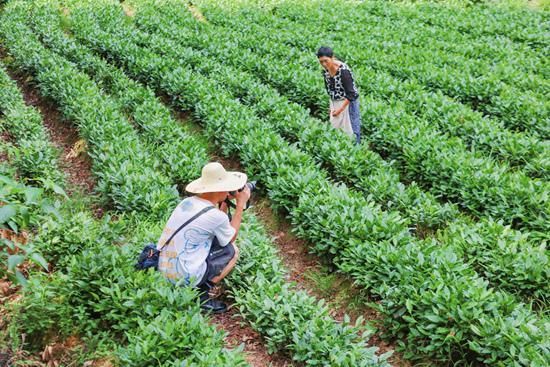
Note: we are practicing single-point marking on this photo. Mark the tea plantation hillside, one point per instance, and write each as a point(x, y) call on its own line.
point(424, 244)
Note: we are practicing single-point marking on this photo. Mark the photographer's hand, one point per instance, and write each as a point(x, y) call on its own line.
point(242, 197)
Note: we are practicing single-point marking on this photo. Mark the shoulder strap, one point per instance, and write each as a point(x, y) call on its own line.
point(204, 210)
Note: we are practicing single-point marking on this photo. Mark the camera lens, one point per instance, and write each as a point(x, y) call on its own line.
point(251, 185)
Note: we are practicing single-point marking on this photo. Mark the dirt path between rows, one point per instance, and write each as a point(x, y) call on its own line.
point(239, 332)
point(4, 138)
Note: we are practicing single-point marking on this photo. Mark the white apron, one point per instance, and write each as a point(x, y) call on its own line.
point(342, 121)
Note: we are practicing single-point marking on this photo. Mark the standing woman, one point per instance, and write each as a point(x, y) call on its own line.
point(344, 98)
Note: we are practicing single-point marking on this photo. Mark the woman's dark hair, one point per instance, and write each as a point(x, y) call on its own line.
point(325, 52)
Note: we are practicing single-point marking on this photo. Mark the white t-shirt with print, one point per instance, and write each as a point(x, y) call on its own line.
point(185, 256)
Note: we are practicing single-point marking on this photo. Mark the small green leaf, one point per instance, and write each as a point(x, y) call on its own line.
point(20, 278)
point(14, 227)
point(14, 260)
point(475, 329)
point(32, 194)
point(59, 190)
point(7, 212)
point(434, 318)
point(409, 305)
point(40, 260)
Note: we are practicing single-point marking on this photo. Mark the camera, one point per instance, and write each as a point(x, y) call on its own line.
point(251, 186)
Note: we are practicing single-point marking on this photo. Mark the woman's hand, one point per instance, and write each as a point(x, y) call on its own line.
point(336, 112)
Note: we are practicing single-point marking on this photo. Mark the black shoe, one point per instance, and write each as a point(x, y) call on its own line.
point(207, 303)
point(213, 305)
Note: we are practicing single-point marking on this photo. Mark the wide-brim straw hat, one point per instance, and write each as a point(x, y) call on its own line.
point(216, 179)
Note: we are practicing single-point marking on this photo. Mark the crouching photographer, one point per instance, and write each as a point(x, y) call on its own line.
point(197, 245)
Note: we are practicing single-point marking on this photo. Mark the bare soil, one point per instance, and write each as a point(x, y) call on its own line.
point(6, 138)
point(238, 332)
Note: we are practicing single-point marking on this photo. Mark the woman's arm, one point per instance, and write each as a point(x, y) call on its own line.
point(349, 87)
point(341, 109)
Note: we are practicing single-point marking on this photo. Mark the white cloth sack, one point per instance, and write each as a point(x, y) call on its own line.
point(342, 121)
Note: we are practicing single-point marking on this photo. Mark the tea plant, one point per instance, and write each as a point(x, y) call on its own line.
point(438, 162)
point(181, 151)
point(22, 207)
point(350, 165)
point(100, 291)
point(357, 165)
point(35, 157)
point(126, 173)
point(422, 52)
point(50, 238)
point(522, 26)
point(433, 300)
point(291, 320)
point(286, 169)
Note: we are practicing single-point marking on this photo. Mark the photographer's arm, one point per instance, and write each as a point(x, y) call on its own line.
point(242, 198)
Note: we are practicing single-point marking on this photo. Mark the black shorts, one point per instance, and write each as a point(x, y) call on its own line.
point(217, 260)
